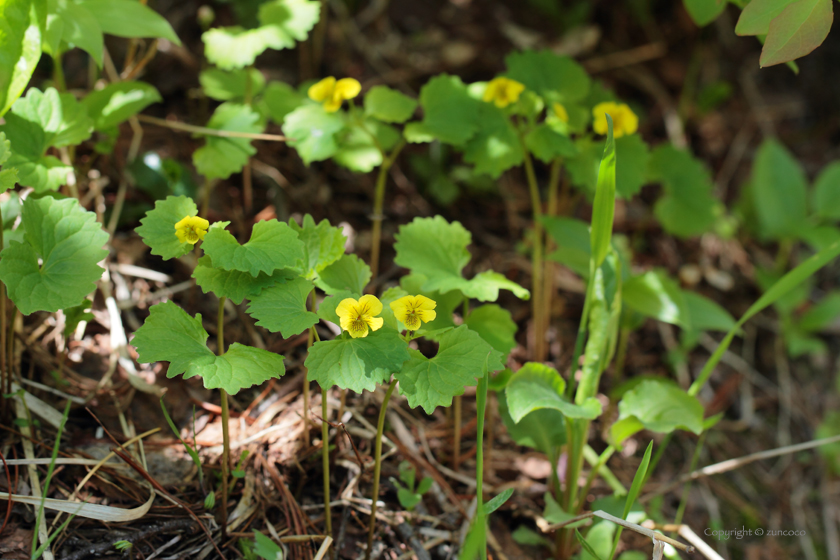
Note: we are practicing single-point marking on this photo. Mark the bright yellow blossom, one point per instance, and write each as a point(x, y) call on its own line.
point(411, 310)
point(356, 316)
point(191, 229)
point(331, 93)
point(560, 112)
point(503, 91)
point(624, 119)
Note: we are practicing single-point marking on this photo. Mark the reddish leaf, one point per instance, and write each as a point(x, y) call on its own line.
point(798, 30)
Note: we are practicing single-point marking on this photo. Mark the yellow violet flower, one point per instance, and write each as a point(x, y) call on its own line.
point(503, 92)
point(624, 119)
point(561, 113)
point(191, 229)
point(356, 316)
point(411, 310)
point(331, 93)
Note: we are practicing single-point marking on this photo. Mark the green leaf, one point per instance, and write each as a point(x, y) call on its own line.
point(128, 18)
point(827, 192)
point(450, 114)
point(704, 314)
point(326, 310)
point(573, 243)
point(756, 16)
point(9, 175)
point(282, 307)
point(157, 229)
point(704, 12)
point(484, 286)
point(603, 208)
point(233, 284)
point(497, 501)
point(221, 157)
point(635, 489)
point(822, 314)
point(495, 147)
point(266, 548)
point(281, 23)
point(223, 85)
point(462, 358)
point(662, 407)
point(349, 273)
point(589, 552)
point(57, 266)
point(357, 150)
point(543, 429)
point(547, 145)
point(20, 46)
point(115, 103)
point(272, 245)
point(495, 325)
point(632, 158)
point(655, 295)
point(75, 315)
point(780, 191)
point(313, 131)
point(357, 364)
point(688, 207)
point(389, 105)
point(169, 334)
point(280, 99)
point(322, 244)
point(555, 78)
point(79, 27)
point(536, 386)
point(799, 29)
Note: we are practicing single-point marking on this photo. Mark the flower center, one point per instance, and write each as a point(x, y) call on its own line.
point(191, 234)
point(358, 325)
point(412, 321)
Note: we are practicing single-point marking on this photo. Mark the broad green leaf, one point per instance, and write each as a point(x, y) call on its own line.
point(349, 273)
point(462, 358)
point(603, 208)
point(389, 105)
point(573, 244)
point(655, 295)
point(272, 245)
point(115, 103)
point(326, 310)
point(495, 325)
point(313, 130)
point(799, 29)
point(662, 407)
point(543, 429)
point(433, 246)
point(554, 77)
point(756, 16)
point(497, 501)
point(221, 157)
point(128, 18)
point(79, 27)
point(223, 85)
point(266, 548)
point(357, 364)
point(820, 237)
point(548, 145)
point(526, 536)
point(8, 175)
point(632, 158)
point(704, 314)
point(169, 334)
point(280, 99)
point(450, 114)
point(56, 266)
point(357, 149)
point(323, 244)
point(157, 229)
point(20, 46)
point(536, 386)
point(75, 315)
point(282, 307)
point(827, 192)
point(822, 314)
point(688, 207)
point(780, 191)
point(704, 12)
point(234, 284)
point(282, 22)
point(484, 286)
point(495, 147)
point(596, 545)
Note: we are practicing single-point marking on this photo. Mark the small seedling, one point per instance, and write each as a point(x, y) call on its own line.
point(408, 495)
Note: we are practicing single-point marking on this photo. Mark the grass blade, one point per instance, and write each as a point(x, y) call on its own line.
point(633, 494)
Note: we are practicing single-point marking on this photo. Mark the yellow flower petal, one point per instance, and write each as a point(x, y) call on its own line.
point(370, 305)
point(356, 317)
point(375, 323)
point(426, 315)
point(322, 90)
point(412, 311)
point(191, 229)
point(624, 119)
point(561, 112)
point(332, 105)
point(345, 307)
point(424, 303)
point(503, 91)
point(348, 88)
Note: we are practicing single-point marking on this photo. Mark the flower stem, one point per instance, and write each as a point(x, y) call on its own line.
point(537, 259)
point(378, 204)
point(377, 466)
point(220, 333)
point(548, 273)
point(325, 460)
point(481, 402)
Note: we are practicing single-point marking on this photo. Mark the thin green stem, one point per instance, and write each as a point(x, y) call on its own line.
point(594, 472)
point(325, 460)
point(581, 335)
point(378, 206)
point(220, 334)
point(694, 460)
point(481, 402)
point(58, 72)
point(537, 259)
point(548, 272)
point(7, 387)
point(377, 466)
